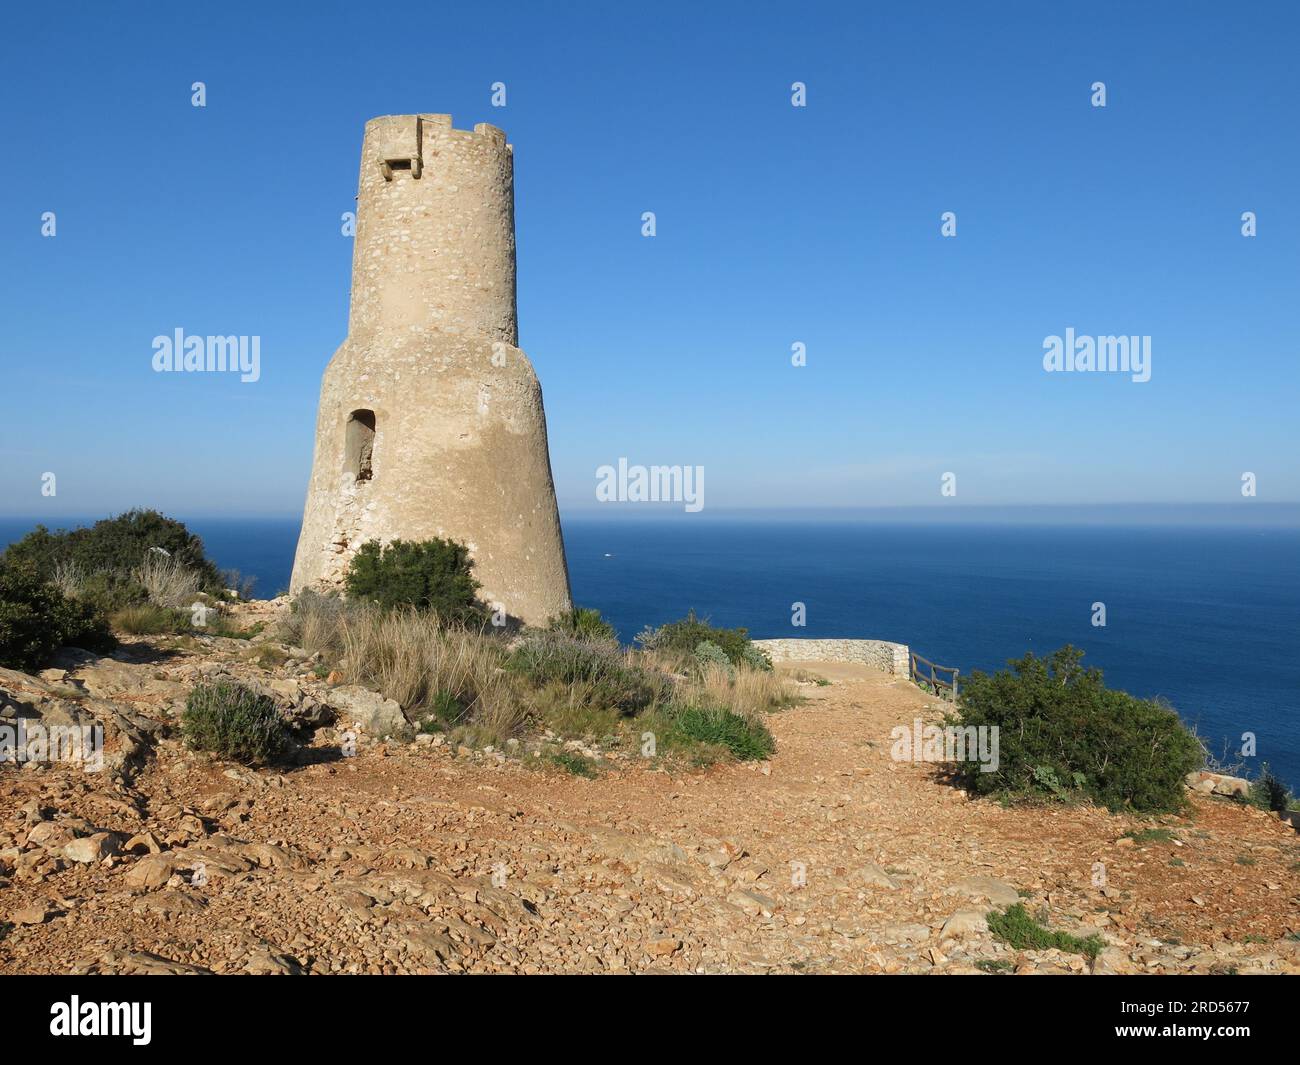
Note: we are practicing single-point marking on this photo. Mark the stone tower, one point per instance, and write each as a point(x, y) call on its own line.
point(431, 420)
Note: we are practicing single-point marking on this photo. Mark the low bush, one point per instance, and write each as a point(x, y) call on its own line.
point(584, 623)
point(1268, 792)
point(707, 653)
point(95, 562)
point(610, 679)
point(36, 619)
point(1062, 732)
point(234, 722)
point(747, 738)
point(688, 633)
point(109, 591)
point(573, 711)
point(429, 575)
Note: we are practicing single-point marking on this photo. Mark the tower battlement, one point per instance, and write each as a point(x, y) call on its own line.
point(435, 238)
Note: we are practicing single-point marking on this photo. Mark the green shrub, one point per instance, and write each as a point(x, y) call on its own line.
point(583, 622)
point(1268, 792)
point(1061, 731)
point(610, 680)
point(105, 555)
point(234, 722)
point(1016, 928)
point(747, 738)
point(433, 575)
point(36, 620)
point(109, 591)
point(688, 633)
point(708, 653)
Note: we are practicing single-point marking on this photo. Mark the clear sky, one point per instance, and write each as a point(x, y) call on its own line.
point(775, 225)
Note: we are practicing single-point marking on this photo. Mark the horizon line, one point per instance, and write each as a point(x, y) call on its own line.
point(1273, 512)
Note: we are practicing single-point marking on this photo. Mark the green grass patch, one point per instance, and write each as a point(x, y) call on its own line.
point(994, 965)
point(1016, 928)
point(574, 711)
point(442, 712)
point(1150, 835)
point(575, 764)
point(745, 738)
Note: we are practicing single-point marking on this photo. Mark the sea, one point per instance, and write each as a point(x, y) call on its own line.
point(1205, 617)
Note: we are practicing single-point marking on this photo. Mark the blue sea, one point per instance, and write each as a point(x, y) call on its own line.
point(1205, 617)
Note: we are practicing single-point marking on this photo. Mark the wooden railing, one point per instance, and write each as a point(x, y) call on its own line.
point(930, 675)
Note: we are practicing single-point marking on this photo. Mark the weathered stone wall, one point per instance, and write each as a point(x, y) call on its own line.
point(435, 251)
point(459, 447)
point(891, 657)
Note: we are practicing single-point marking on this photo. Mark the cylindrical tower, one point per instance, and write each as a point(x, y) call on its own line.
point(435, 242)
point(431, 421)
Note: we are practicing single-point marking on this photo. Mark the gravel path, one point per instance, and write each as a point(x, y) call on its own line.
point(830, 858)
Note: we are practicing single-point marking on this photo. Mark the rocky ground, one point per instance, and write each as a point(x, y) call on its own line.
point(421, 858)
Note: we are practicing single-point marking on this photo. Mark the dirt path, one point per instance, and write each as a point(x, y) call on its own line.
point(830, 858)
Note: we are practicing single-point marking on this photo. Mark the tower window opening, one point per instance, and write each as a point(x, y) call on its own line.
point(360, 444)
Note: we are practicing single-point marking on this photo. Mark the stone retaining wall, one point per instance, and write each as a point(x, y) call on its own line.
point(891, 657)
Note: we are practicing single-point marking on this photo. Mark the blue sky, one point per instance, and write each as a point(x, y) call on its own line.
point(776, 225)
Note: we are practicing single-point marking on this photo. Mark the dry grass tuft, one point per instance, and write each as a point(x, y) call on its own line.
point(745, 690)
point(450, 675)
point(169, 582)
